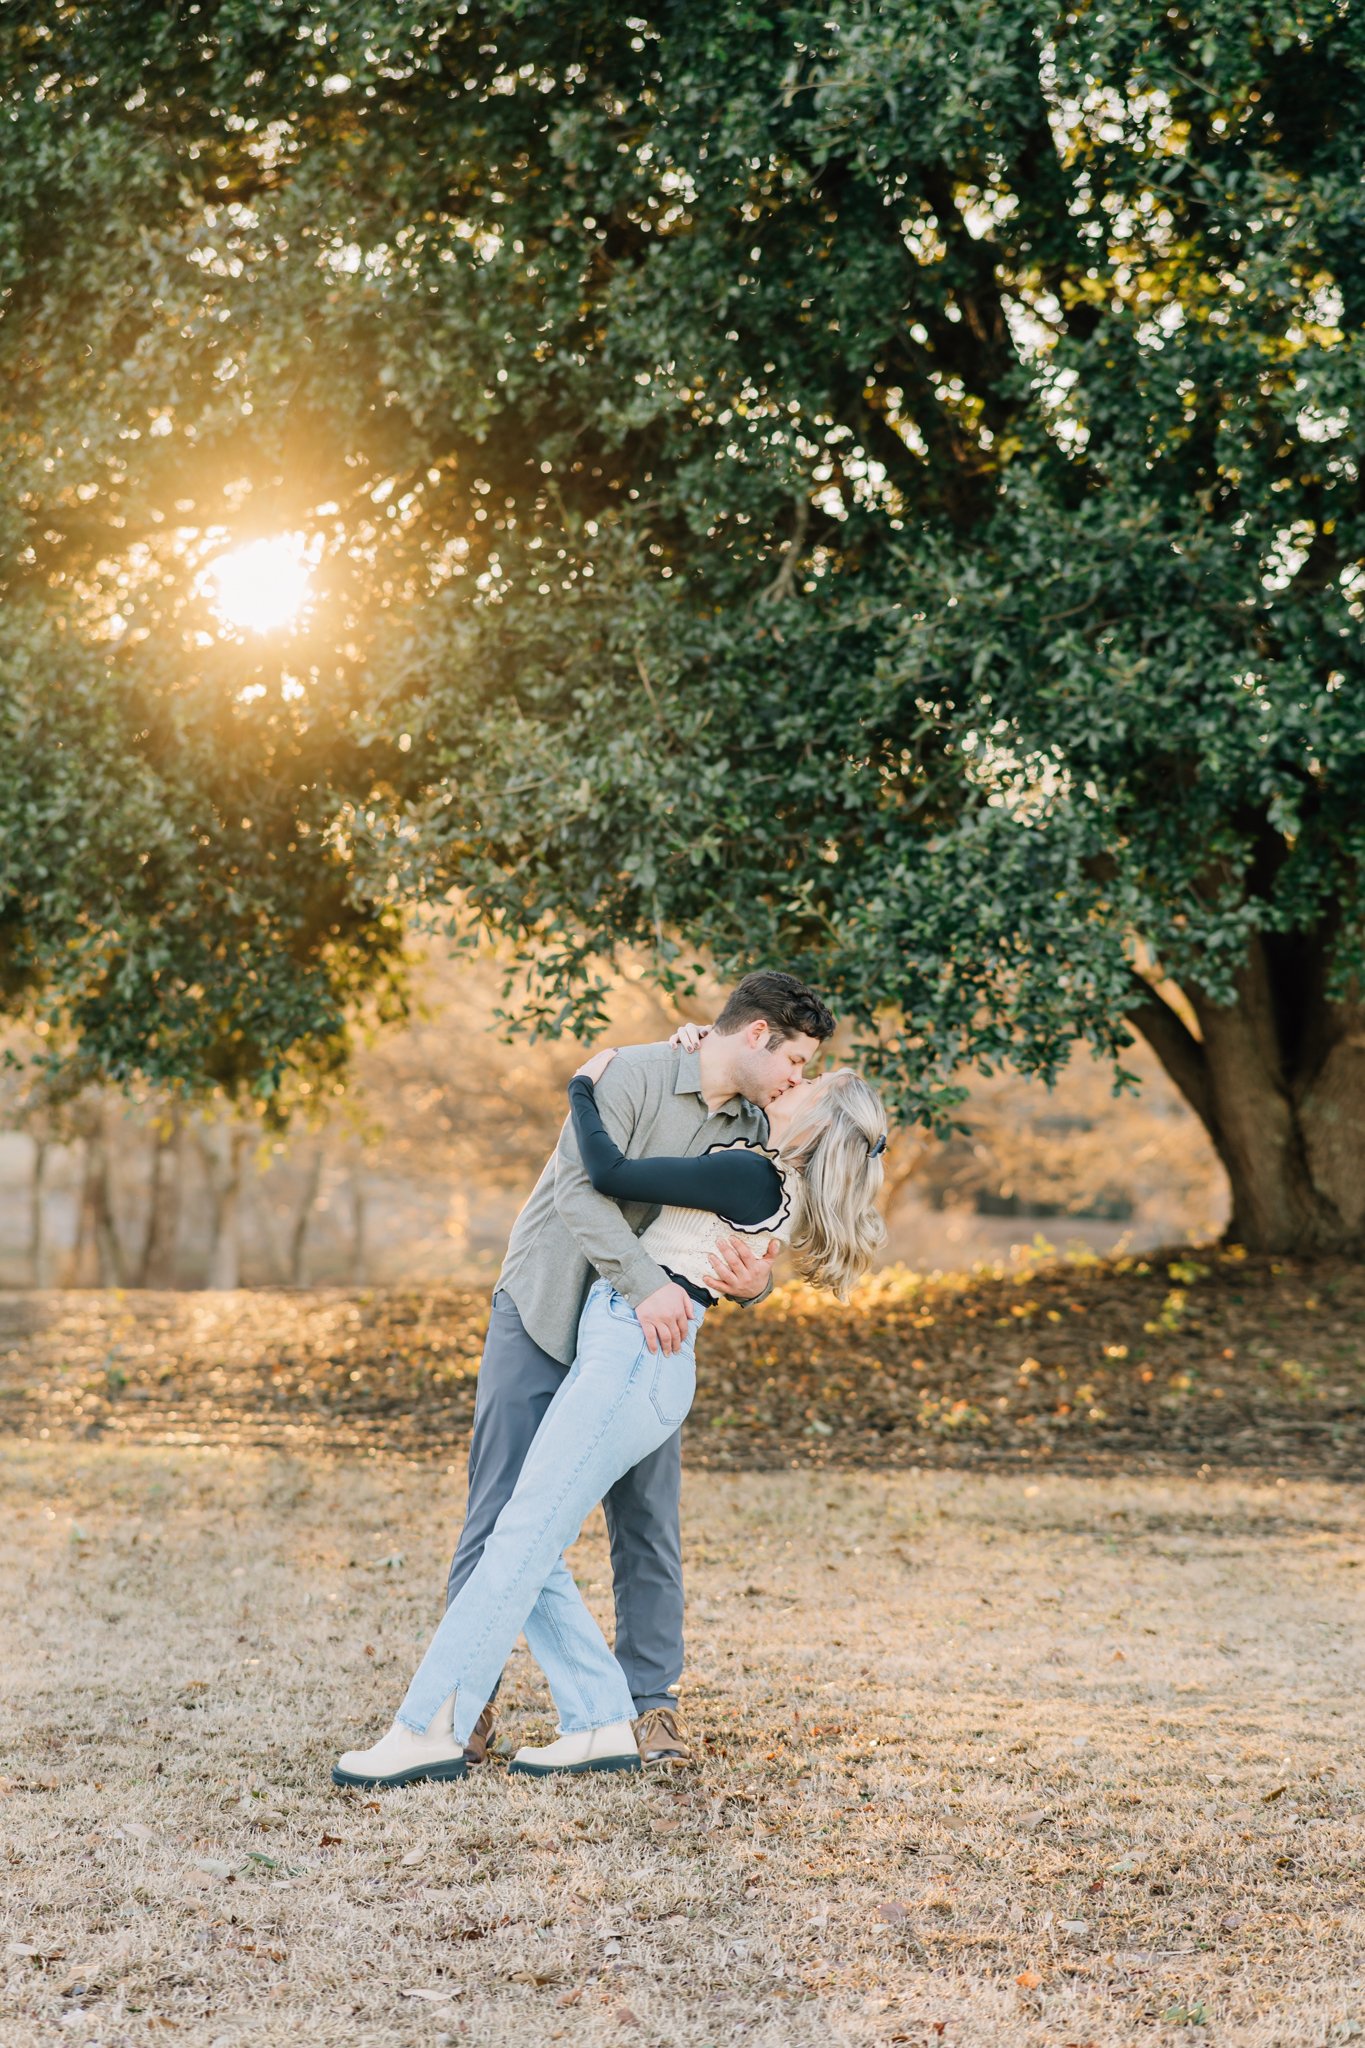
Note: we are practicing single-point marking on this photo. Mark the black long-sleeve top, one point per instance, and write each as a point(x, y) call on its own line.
point(734, 1181)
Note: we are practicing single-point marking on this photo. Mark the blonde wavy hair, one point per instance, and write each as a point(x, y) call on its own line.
point(830, 1143)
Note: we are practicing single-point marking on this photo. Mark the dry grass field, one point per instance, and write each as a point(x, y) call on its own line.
point(996, 1760)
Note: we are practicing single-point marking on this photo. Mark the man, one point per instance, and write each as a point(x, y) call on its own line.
point(653, 1099)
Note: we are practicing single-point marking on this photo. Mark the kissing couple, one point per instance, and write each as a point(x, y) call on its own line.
point(680, 1173)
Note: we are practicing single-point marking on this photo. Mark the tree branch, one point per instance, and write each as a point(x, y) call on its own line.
point(1177, 1048)
point(784, 583)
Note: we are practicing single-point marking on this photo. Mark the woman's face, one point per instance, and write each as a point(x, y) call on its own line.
point(796, 1100)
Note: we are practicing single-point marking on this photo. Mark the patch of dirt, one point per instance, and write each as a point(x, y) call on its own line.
point(1172, 1361)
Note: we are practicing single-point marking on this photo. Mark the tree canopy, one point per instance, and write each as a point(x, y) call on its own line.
point(877, 490)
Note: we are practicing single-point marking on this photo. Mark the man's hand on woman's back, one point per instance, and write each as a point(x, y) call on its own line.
point(738, 1268)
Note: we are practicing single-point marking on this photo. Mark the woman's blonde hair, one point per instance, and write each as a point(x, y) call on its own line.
point(835, 1141)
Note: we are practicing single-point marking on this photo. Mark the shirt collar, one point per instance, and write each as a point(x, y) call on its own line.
point(688, 1082)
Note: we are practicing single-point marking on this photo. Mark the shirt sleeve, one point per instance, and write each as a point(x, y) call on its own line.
point(736, 1183)
point(596, 1222)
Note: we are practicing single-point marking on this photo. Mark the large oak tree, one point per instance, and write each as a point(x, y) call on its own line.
point(877, 488)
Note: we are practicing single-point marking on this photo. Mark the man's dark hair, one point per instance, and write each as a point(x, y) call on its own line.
point(782, 1001)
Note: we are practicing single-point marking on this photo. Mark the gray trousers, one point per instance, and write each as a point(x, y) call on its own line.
point(517, 1381)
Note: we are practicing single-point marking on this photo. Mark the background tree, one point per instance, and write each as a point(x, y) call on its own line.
point(410, 1164)
point(879, 490)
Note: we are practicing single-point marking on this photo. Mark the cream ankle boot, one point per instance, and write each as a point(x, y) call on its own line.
point(597, 1749)
point(402, 1758)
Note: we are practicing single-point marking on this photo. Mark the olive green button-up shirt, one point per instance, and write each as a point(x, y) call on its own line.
point(651, 1101)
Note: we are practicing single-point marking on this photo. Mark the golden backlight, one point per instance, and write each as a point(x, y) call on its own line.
point(261, 586)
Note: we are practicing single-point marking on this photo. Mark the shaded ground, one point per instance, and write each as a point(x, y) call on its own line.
point(1161, 1363)
point(992, 1760)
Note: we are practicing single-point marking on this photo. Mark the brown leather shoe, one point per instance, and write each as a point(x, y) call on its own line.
point(480, 1737)
point(663, 1745)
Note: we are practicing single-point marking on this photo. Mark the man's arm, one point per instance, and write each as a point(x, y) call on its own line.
point(596, 1222)
point(605, 1238)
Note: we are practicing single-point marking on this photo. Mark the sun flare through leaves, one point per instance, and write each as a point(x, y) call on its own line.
point(263, 586)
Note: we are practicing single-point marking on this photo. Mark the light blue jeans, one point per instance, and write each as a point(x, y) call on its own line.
point(619, 1401)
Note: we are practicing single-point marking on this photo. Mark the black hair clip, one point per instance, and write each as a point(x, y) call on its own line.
point(875, 1151)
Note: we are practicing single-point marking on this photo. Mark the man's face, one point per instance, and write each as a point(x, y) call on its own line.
point(764, 1074)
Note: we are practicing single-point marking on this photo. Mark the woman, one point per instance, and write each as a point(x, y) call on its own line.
point(816, 1186)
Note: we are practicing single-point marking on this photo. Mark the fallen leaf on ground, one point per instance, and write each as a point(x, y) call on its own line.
point(892, 1912)
point(1028, 1980)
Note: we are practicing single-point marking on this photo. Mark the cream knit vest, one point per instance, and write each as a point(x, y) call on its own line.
point(682, 1240)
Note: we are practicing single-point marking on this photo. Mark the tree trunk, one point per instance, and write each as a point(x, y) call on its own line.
point(156, 1259)
point(85, 1213)
point(1278, 1081)
point(359, 1219)
point(108, 1249)
point(303, 1216)
point(223, 1169)
point(37, 1213)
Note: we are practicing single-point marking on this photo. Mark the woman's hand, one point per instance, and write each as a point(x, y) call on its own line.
point(688, 1037)
point(593, 1069)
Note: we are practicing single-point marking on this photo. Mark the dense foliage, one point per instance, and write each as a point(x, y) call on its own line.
point(878, 490)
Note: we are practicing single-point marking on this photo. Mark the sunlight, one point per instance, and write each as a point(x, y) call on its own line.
point(261, 586)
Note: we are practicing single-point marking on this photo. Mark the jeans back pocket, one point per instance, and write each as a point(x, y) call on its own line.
point(675, 1383)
